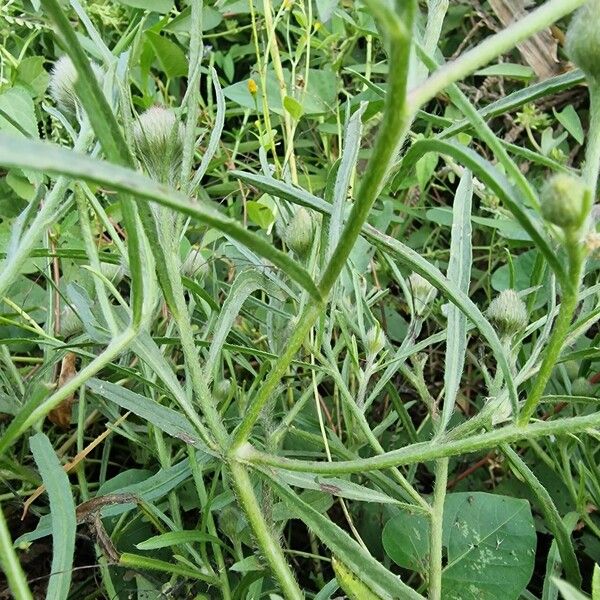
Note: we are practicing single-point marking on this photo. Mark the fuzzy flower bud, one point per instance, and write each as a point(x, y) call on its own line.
point(62, 85)
point(375, 340)
point(300, 231)
point(508, 313)
point(195, 263)
point(563, 201)
point(423, 293)
point(583, 39)
point(158, 137)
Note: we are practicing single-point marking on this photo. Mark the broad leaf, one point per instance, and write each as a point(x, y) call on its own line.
point(490, 542)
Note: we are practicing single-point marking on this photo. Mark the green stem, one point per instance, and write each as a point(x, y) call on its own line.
point(269, 545)
point(555, 344)
point(576, 260)
point(395, 126)
point(426, 451)
point(592, 151)
point(435, 532)
point(11, 565)
point(494, 46)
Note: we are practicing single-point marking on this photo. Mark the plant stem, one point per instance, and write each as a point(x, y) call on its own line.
point(576, 261)
point(556, 341)
point(592, 151)
point(426, 451)
point(435, 532)
point(269, 546)
point(391, 134)
point(490, 48)
point(11, 565)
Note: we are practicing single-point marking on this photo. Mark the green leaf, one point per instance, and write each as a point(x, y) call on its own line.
point(159, 6)
point(166, 419)
point(569, 592)
point(260, 213)
point(211, 18)
point(319, 98)
point(570, 120)
point(17, 113)
point(145, 563)
point(62, 513)
point(490, 542)
point(459, 271)
point(50, 158)
point(596, 583)
point(351, 584)
point(176, 538)
point(32, 75)
point(425, 168)
point(508, 70)
point(335, 486)
point(372, 573)
point(293, 107)
point(169, 55)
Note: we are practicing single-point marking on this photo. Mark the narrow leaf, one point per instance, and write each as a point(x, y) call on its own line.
point(62, 513)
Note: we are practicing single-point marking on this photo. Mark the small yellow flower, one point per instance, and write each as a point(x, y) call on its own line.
point(252, 87)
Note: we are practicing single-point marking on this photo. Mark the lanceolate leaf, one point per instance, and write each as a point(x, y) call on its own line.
point(50, 158)
point(459, 271)
point(405, 255)
point(372, 573)
point(62, 513)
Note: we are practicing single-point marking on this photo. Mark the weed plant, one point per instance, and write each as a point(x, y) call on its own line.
point(288, 311)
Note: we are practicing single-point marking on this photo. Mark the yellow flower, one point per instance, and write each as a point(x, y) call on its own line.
point(252, 87)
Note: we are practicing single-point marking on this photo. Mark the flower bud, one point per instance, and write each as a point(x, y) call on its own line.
point(375, 340)
point(158, 137)
point(195, 264)
point(582, 387)
point(563, 201)
point(62, 85)
point(508, 313)
point(300, 231)
point(583, 39)
point(423, 293)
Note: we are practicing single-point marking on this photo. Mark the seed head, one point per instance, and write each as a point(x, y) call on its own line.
point(508, 313)
point(583, 39)
point(563, 201)
point(158, 137)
